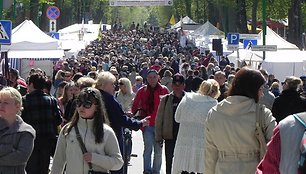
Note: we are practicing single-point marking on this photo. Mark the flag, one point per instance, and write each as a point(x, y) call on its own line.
point(100, 31)
point(172, 20)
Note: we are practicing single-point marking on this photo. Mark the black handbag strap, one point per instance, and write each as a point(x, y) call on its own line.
point(83, 148)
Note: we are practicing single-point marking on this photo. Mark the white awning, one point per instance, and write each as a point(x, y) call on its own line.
point(36, 54)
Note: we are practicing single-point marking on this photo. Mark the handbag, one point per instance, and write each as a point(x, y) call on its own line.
point(259, 133)
point(84, 150)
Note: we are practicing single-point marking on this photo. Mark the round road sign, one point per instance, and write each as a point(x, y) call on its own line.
point(53, 12)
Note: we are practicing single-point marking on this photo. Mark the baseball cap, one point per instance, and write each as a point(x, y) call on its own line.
point(152, 71)
point(178, 78)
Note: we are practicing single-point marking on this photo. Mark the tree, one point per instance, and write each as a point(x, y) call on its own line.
point(254, 15)
point(295, 23)
point(241, 16)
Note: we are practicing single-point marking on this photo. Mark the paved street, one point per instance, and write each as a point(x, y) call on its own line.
point(136, 163)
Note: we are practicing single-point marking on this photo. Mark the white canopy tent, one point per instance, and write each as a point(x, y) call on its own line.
point(288, 60)
point(77, 36)
point(207, 29)
point(28, 41)
point(32, 48)
point(185, 20)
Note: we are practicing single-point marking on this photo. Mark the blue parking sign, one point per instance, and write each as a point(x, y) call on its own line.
point(5, 32)
point(233, 38)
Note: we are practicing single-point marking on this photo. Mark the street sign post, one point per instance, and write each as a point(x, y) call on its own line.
point(53, 12)
point(249, 43)
point(232, 47)
point(54, 35)
point(5, 32)
point(250, 36)
point(264, 48)
point(52, 26)
point(233, 38)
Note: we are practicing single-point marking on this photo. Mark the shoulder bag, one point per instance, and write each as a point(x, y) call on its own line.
point(259, 133)
point(84, 150)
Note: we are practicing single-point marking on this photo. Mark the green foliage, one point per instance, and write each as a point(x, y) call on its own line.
point(304, 14)
point(100, 10)
point(278, 9)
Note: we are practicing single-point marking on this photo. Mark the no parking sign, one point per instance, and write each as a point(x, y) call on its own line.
point(53, 12)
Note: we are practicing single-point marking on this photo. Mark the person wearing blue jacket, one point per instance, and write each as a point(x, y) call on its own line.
point(118, 119)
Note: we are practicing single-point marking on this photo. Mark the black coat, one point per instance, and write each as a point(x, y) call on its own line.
point(287, 103)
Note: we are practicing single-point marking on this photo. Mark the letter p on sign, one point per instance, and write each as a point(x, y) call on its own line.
point(233, 38)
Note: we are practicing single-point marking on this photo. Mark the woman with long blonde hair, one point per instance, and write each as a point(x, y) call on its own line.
point(191, 114)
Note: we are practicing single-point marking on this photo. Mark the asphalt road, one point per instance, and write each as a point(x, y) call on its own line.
point(136, 163)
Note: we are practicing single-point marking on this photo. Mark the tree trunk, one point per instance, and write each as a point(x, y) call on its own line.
point(188, 8)
point(79, 11)
point(197, 11)
point(254, 16)
point(241, 16)
point(295, 23)
point(212, 13)
point(34, 5)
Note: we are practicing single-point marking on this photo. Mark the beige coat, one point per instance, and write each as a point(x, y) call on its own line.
point(164, 119)
point(231, 145)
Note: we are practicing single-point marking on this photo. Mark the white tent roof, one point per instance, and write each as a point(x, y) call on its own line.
point(207, 29)
point(273, 38)
point(287, 60)
point(185, 20)
point(28, 41)
point(70, 36)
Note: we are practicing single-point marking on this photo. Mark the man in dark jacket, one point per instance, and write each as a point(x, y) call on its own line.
point(289, 101)
point(41, 111)
point(166, 128)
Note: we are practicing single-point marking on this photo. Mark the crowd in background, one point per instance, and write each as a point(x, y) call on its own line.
point(173, 83)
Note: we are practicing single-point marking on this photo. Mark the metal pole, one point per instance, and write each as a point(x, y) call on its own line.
point(1, 8)
point(14, 13)
point(264, 25)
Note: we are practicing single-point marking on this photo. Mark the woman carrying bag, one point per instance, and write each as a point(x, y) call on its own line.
point(85, 145)
point(231, 141)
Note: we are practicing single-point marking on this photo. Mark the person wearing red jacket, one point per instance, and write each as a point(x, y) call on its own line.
point(283, 150)
point(147, 99)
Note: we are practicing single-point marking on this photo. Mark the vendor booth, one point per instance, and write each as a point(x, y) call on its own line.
point(32, 48)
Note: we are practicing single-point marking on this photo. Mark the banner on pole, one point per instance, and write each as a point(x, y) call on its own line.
point(140, 2)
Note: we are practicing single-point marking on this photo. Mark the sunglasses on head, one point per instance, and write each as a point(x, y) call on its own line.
point(86, 104)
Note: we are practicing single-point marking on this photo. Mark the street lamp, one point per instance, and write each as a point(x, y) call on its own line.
point(38, 18)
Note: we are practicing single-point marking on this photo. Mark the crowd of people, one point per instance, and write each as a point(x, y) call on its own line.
point(201, 108)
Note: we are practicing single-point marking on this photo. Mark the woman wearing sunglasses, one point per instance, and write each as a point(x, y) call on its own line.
point(16, 137)
point(100, 150)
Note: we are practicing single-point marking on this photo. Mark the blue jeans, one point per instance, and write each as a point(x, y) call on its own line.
point(149, 144)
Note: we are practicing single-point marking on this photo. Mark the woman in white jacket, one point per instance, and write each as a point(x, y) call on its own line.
point(231, 146)
point(191, 114)
point(100, 141)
